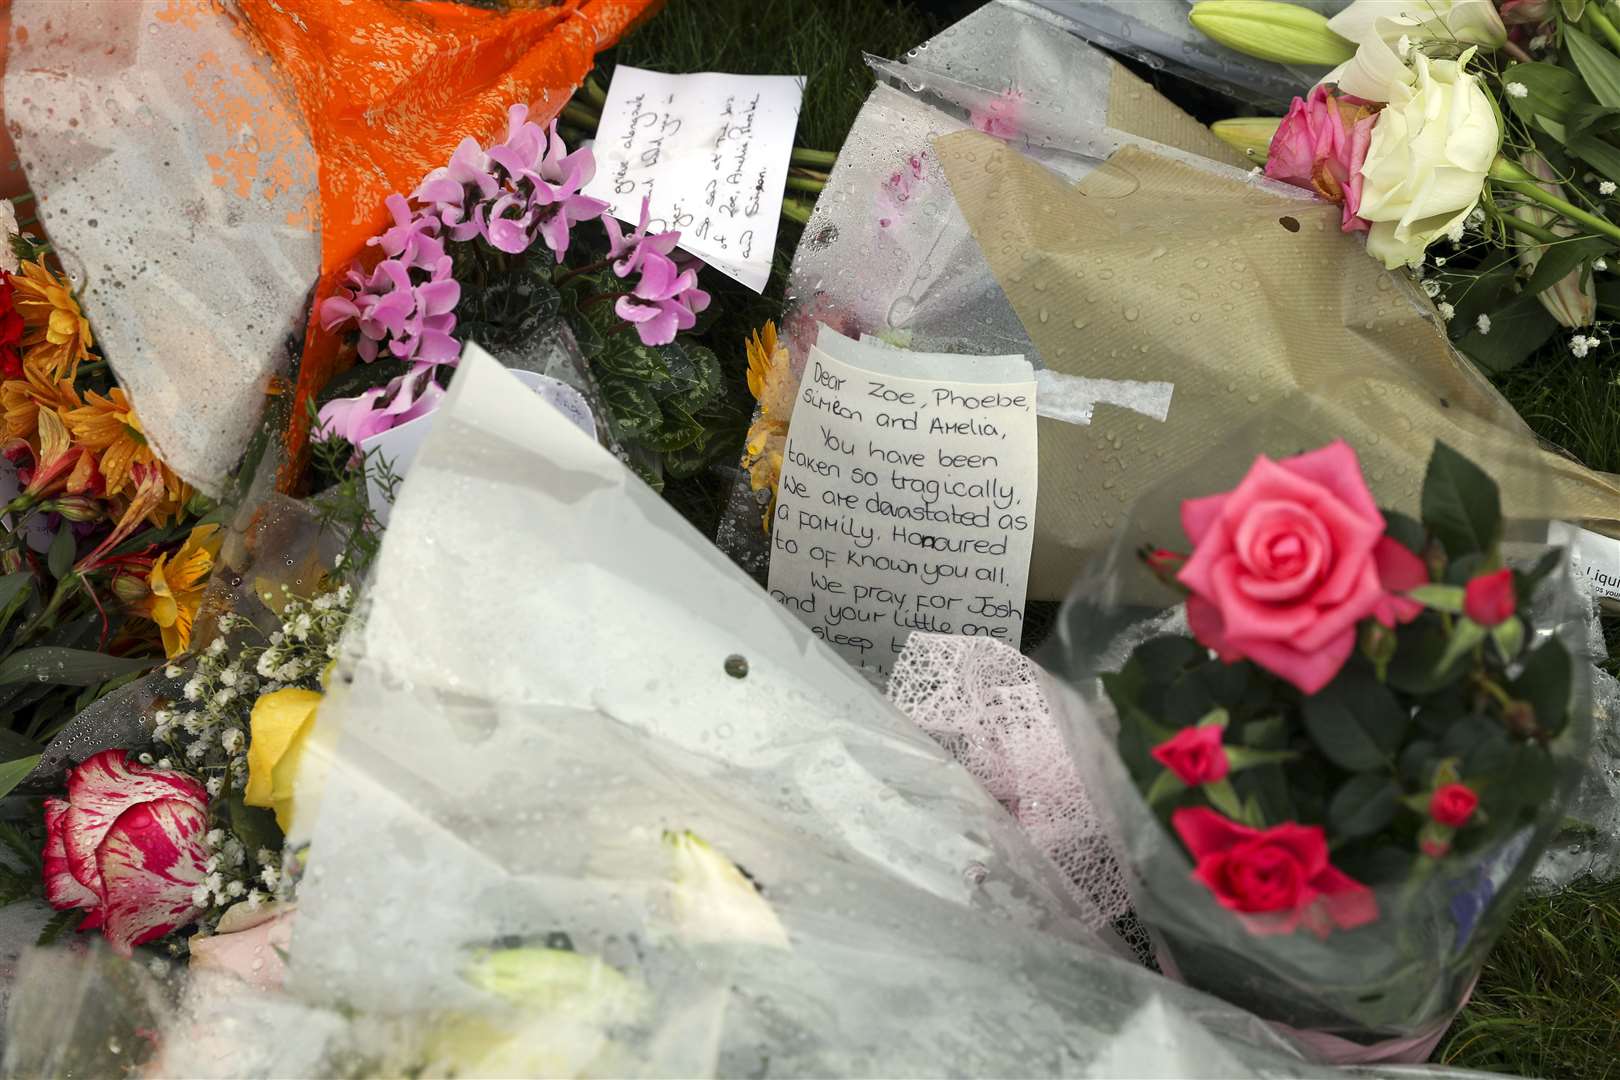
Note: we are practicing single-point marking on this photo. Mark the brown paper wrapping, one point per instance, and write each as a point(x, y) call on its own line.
point(1136, 107)
point(1276, 329)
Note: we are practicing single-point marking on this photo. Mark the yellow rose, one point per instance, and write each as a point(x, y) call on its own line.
point(1426, 165)
point(279, 727)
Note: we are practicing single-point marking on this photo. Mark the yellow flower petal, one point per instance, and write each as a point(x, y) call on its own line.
point(279, 727)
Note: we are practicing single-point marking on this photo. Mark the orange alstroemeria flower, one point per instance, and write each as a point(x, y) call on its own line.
point(60, 464)
point(177, 587)
point(109, 426)
point(22, 399)
point(58, 335)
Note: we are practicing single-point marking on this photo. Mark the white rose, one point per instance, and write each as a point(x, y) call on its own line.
point(1384, 31)
point(1426, 165)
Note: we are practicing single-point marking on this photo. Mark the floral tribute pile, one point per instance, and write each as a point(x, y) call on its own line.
point(1472, 141)
point(489, 248)
point(1363, 716)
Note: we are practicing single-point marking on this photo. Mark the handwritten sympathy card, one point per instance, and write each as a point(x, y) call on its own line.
point(710, 152)
point(907, 498)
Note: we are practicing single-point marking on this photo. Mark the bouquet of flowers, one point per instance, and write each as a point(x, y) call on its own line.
point(1471, 141)
point(104, 550)
point(1332, 787)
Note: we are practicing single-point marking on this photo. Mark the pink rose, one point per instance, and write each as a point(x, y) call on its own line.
point(1275, 879)
point(1453, 804)
point(248, 944)
point(1526, 12)
point(1283, 566)
point(126, 846)
point(1321, 145)
point(1489, 599)
point(1195, 755)
point(1399, 571)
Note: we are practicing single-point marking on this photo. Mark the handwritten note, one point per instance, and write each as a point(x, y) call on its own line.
point(907, 498)
point(710, 152)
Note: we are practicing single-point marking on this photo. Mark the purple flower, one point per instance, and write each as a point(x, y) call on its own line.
point(629, 251)
point(664, 302)
point(465, 182)
point(413, 311)
point(357, 418)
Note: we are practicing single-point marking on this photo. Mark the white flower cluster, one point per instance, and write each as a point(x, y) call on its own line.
point(207, 733)
point(1581, 344)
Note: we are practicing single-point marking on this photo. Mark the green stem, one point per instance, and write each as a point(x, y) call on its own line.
point(796, 211)
point(816, 159)
point(576, 113)
point(18, 200)
point(803, 183)
point(588, 269)
point(1595, 16)
point(1546, 236)
point(1513, 176)
point(46, 617)
point(594, 92)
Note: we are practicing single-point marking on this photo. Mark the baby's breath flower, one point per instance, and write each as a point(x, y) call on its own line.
point(1606, 187)
point(216, 647)
point(1484, 324)
point(173, 671)
point(270, 876)
point(216, 784)
point(193, 689)
point(1447, 312)
point(235, 888)
point(1517, 90)
point(215, 837)
point(265, 857)
point(231, 740)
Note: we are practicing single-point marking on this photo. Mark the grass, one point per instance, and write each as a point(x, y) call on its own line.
point(1548, 1001)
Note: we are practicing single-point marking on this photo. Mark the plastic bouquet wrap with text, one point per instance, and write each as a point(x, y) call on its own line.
point(1333, 740)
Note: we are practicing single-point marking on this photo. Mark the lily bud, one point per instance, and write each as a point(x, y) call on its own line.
point(10, 561)
point(1573, 299)
point(1249, 135)
point(131, 589)
point(1271, 30)
point(74, 507)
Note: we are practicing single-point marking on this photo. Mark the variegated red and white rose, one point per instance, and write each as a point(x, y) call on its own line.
point(126, 846)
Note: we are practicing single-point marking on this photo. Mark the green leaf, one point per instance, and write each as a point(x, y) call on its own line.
point(26, 848)
point(1461, 505)
point(1440, 597)
point(13, 773)
point(1363, 805)
point(1518, 329)
point(1508, 636)
point(253, 825)
point(1572, 9)
point(66, 667)
point(1599, 68)
point(1417, 761)
point(57, 924)
point(1223, 797)
point(11, 585)
point(1552, 92)
point(59, 559)
point(1166, 786)
point(1164, 659)
point(1558, 260)
point(1545, 681)
point(1600, 155)
point(1465, 635)
point(1356, 722)
point(1525, 582)
point(1405, 531)
point(635, 410)
point(1240, 758)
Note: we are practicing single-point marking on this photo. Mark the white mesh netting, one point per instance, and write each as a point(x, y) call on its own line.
point(982, 701)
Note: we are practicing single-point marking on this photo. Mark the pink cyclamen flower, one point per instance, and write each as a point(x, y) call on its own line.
point(630, 251)
point(1399, 572)
point(453, 191)
point(1321, 145)
point(664, 302)
point(1276, 879)
point(1282, 567)
point(1490, 598)
point(1001, 116)
point(380, 409)
point(410, 308)
point(1453, 804)
point(1195, 755)
point(126, 846)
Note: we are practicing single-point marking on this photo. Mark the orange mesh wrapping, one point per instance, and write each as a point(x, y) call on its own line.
point(388, 88)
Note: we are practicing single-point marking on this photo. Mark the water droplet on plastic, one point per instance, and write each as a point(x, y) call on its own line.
point(737, 666)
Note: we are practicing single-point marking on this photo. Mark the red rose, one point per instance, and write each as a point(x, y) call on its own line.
point(1399, 571)
point(1489, 598)
point(1453, 804)
point(11, 323)
point(1195, 755)
point(11, 366)
point(126, 846)
point(1282, 567)
point(1276, 878)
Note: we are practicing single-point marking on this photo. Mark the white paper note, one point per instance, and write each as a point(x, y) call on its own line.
point(399, 446)
point(711, 153)
point(907, 498)
point(1596, 557)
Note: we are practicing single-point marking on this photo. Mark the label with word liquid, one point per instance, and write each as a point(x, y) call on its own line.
point(710, 152)
point(1596, 557)
point(907, 498)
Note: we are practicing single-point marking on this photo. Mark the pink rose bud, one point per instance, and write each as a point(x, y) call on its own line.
point(1321, 145)
point(1195, 755)
point(1526, 12)
point(1453, 804)
point(1490, 599)
point(1434, 849)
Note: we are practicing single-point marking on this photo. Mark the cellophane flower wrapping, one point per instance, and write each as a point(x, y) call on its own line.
point(1398, 979)
point(582, 801)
